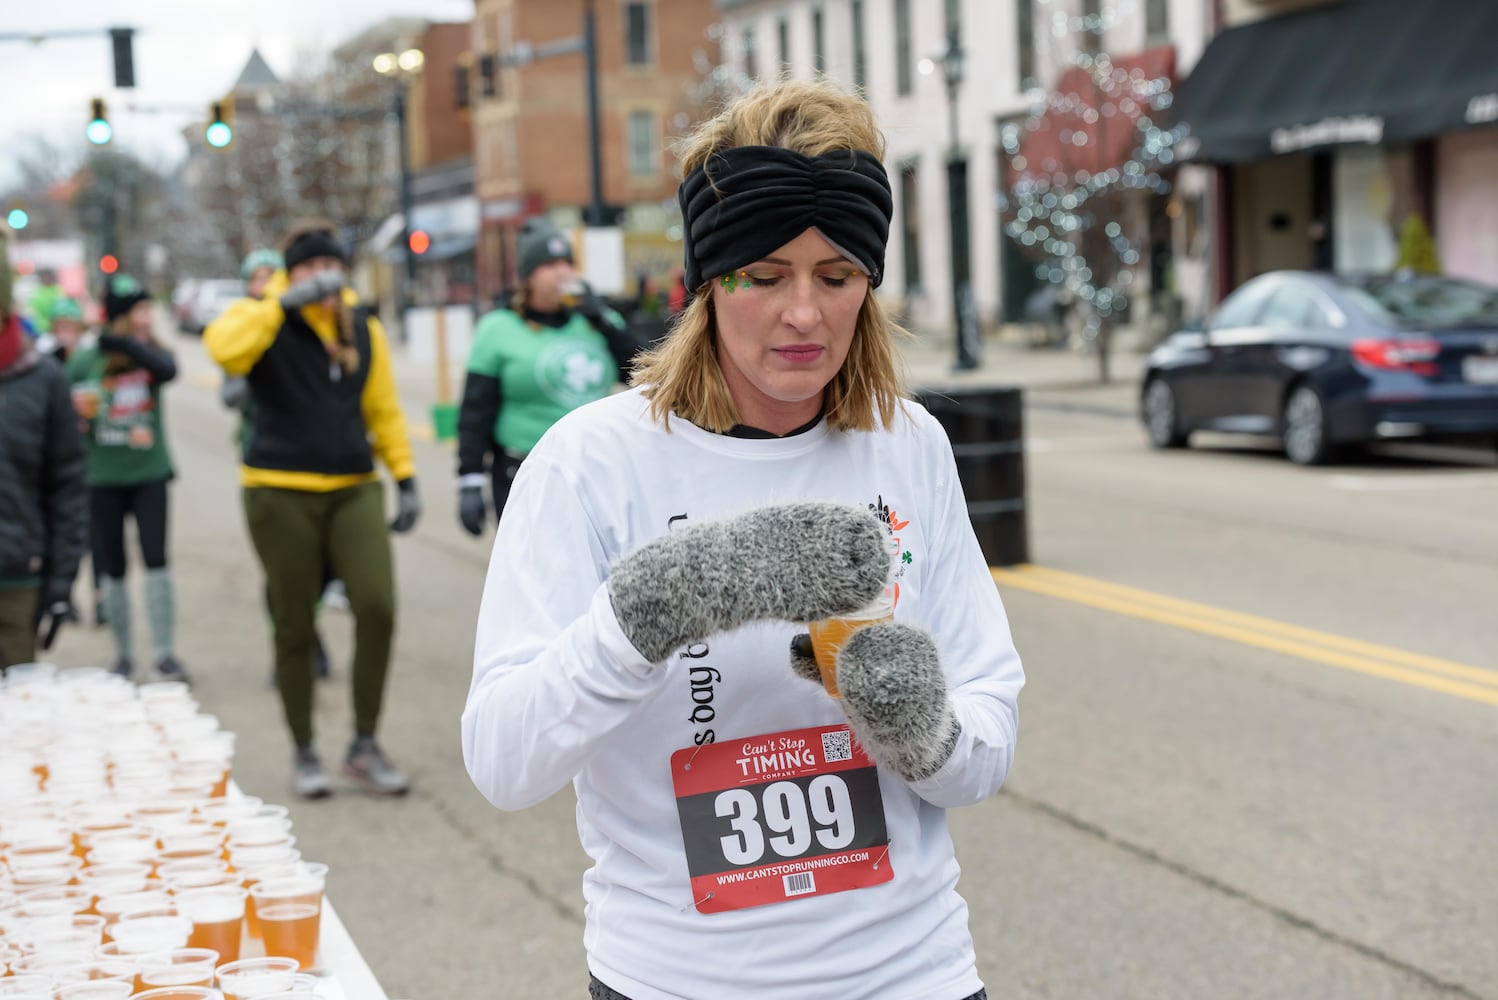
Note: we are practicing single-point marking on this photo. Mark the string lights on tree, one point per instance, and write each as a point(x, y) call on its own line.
point(1078, 163)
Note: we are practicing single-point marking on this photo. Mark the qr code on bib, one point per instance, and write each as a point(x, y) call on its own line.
point(837, 746)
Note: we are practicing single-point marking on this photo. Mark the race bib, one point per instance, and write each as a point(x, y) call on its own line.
point(779, 817)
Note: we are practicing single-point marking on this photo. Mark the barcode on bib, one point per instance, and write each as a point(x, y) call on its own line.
point(799, 884)
point(837, 745)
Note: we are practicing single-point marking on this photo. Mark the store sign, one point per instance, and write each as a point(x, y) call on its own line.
point(1328, 132)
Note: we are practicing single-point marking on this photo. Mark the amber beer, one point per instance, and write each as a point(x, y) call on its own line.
point(291, 929)
point(217, 916)
point(829, 634)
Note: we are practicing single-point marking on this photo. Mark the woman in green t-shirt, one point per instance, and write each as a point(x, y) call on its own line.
point(557, 347)
point(117, 391)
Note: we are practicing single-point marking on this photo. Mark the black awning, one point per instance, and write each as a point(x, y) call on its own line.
point(1364, 72)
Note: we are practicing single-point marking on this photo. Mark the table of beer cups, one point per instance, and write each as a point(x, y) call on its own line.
point(131, 866)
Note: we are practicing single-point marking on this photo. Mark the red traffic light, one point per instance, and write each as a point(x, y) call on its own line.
point(109, 263)
point(420, 241)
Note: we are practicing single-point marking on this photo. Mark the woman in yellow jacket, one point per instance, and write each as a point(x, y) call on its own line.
point(318, 367)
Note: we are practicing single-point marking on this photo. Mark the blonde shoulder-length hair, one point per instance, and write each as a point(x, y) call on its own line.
point(681, 375)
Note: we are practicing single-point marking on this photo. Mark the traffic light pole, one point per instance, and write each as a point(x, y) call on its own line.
point(408, 292)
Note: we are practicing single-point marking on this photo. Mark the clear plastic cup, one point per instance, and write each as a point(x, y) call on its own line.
point(103, 989)
point(181, 993)
point(26, 986)
point(253, 977)
point(178, 967)
point(145, 930)
point(829, 635)
point(290, 913)
point(119, 970)
point(217, 916)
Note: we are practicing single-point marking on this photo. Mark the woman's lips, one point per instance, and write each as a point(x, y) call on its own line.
point(800, 353)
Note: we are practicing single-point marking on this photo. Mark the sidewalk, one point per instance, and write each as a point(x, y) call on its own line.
point(1052, 379)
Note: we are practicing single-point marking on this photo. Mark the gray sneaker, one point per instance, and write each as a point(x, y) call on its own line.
point(368, 767)
point(308, 779)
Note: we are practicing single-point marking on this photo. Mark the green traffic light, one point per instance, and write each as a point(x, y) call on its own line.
point(99, 132)
point(219, 135)
point(18, 219)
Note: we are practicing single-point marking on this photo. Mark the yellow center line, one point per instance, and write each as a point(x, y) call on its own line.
point(1430, 673)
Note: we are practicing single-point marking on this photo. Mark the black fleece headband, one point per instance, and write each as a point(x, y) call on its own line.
point(745, 202)
point(312, 245)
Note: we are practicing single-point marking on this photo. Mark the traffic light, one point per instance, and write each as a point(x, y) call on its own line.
point(18, 218)
point(421, 241)
point(124, 56)
point(109, 263)
point(220, 130)
point(98, 130)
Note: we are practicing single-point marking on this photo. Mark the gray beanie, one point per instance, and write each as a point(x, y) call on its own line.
point(541, 242)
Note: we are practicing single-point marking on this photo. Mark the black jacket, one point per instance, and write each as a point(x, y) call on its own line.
point(43, 499)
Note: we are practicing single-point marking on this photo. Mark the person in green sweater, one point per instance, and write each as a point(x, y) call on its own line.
point(117, 392)
point(557, 347)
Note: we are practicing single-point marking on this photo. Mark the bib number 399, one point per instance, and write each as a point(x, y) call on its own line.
point(780, 817)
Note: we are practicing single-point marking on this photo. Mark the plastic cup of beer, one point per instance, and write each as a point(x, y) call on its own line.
point(181, 993)
point(103, 989)
point(151, 929)
point(26, 987)
point(255, 977)
point(828, 636)
point(178, 967)
point(217, 916)
point(119, 970)
point(290, 913)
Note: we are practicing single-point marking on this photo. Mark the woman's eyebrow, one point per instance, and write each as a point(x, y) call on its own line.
point(786, 263)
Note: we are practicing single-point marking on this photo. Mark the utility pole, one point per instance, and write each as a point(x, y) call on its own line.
point(408, 292)
point(595, 131)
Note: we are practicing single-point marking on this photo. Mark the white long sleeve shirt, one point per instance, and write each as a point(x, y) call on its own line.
point(561, 695)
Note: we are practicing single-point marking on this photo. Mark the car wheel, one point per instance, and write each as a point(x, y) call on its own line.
point(1161, 419)
point(1305, 432)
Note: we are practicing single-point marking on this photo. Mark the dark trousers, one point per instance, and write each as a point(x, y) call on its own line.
point(296, 535)
point(18, 607)
point(109, 506)
point(598, 991)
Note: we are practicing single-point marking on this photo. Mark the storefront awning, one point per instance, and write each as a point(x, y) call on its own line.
point(1367, 72)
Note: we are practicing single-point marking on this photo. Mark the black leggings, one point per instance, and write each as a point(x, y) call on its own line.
point(598, 991)
point(110, 505)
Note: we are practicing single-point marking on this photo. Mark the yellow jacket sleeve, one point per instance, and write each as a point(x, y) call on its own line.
point(382, 408)
point(245, 330)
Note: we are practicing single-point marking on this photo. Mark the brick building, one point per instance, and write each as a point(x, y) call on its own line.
point(530, 121)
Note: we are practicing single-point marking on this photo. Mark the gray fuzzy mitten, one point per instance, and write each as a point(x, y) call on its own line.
point(795, 562)
point(895, 697)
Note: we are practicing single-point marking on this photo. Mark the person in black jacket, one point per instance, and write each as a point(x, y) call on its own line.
point(43, 502)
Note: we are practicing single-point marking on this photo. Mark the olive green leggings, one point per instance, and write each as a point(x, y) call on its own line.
point(298, 534)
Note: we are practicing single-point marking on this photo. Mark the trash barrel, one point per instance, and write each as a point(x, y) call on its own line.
point(986, 426)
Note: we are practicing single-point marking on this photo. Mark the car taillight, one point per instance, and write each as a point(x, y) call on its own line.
point(1405, 355)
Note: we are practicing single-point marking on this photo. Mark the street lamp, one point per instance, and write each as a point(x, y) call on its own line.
point(964, 313)
point(400, 67)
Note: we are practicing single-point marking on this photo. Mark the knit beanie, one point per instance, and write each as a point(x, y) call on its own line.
point(121, 295)
point(66, 308)
point(541, 242)
point(264, 257)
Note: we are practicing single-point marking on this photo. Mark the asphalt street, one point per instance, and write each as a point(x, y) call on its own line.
point(1258, 751)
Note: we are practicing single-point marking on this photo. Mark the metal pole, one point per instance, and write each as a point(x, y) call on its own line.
point(409, 290)
point(595, 140)
point(964, 318)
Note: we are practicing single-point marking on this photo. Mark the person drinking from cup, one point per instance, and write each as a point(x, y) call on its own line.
point(557, 347)
point(117, 389)
point(319, 371)
point(661, 550)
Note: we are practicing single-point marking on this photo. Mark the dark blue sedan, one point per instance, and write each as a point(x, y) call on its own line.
point(1330, 363)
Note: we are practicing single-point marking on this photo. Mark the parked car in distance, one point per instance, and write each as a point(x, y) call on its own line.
point(1329, 363)
point(181, 299)
point(209, 298)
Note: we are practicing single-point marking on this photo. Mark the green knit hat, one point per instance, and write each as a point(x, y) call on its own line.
point(263, 257)
point(66, 308)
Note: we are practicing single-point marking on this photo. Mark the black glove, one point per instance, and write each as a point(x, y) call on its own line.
point(894, 694)
point(408, 509)
point(795, 562)
point(56, 610)
point(313, 289)
point(593, 309)
point(471, 509)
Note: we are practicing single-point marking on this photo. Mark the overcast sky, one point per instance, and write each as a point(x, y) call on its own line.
point(187, 52)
